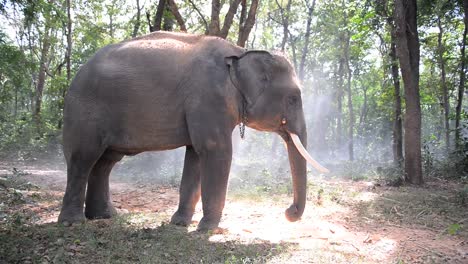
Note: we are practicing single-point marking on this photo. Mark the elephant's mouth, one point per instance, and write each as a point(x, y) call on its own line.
point(302, 150)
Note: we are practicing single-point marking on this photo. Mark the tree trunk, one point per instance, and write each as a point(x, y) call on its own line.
point(407, 46)
point(248, 24)
point(363, 115)
point(397, 122)
point(157, 21)
point(305, 49)
point(67, 59)
point(136, 27)
point(175, 11)
point(445, 96)
point(285, 22)
point(292, 42)
point(228, 19)
point(69, 41)
point(41, 77)
point(397, 145)
point(461, 86)
point(350, 99)
point(242, 18)
point(15, 113)
point(213, 28)
point(339, 99)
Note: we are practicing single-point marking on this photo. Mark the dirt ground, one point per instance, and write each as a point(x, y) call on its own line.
point(344, 222)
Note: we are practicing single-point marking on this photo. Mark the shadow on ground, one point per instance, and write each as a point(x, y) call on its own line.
point(124, 240)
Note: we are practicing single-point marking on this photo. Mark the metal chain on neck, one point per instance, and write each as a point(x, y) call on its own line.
point(243, 119)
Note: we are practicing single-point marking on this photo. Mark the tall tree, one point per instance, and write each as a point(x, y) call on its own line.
point(305, 48)
point(285, 13)
point(213, 28)
point(69, 40)
point(407, 46)
point(384, 9)
point(443, 82)
point(461, 85)
point(43, 64)
point(350, 96)
point(246, 25)
point(397, 114)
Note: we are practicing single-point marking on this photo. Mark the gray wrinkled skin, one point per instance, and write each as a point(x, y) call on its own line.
point(167, 90)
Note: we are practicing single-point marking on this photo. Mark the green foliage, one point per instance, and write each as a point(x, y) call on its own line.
point(453, 229)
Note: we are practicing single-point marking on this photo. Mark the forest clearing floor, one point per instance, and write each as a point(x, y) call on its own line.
point(344, 222)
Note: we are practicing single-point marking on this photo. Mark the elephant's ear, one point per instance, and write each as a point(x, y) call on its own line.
point(250, 73)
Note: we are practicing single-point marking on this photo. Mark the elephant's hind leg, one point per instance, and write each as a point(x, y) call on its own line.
point(98, 199)
point(189, 189)
point(79, 165)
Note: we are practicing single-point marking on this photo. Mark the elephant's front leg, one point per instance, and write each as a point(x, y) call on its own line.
point(189, 189)
point(214, 167)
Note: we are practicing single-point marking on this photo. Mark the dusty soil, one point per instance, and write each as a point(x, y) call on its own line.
point(344, 222)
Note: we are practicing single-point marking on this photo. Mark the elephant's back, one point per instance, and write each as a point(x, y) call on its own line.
point(149, 64)
point(147, 72)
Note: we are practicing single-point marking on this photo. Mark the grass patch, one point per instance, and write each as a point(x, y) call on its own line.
point(123, 241)
point(437, 209)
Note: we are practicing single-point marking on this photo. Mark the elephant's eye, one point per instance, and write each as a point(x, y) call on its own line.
point(292, 100)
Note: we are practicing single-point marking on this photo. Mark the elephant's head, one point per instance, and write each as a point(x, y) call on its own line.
point(272, 94)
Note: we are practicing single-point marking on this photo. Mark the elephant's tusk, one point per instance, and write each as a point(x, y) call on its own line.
point(306, 155)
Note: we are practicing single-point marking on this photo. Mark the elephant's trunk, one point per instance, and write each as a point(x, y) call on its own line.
point(298, 156)
point(299, 179)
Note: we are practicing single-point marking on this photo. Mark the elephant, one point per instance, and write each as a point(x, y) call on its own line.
point(168, 90)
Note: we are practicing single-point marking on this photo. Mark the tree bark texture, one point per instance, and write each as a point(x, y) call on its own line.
point(407, 46)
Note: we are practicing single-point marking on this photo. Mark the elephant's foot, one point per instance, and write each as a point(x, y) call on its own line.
point(96, 211)
point(181, 219)
point(207, 224)
point(70, 217)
